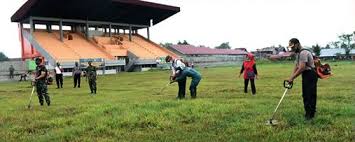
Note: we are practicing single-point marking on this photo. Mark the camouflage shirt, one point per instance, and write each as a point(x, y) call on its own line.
point(91, 72)
point(39, 70)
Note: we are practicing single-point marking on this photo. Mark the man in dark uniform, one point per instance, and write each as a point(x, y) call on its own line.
point(40, 82)
point(77, 74)
point(305, 66)
point(11, 70)
point(91, 76)
point(176, 68)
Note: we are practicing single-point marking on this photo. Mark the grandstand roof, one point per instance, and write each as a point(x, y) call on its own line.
point(117, 11)
point(192, 50)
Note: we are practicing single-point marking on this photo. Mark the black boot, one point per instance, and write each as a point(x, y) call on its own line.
point(193, 93)
point(308, 116)
point(48, 103)
point(95, 91)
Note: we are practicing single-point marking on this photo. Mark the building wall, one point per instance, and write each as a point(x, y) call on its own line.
point(20, 67)
point(215, 60)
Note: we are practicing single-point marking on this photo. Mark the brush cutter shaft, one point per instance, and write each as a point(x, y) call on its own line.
point(279, 103)
point(33, 90)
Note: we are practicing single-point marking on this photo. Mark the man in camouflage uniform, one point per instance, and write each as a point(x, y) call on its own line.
point(40, 82)
point(91, 76)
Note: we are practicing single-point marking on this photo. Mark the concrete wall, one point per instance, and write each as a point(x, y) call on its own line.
point(20, 67)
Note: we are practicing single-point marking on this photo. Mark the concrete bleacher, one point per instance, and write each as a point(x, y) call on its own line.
point(111, 45)
point(55, 47)
point(84, 48)
point(97, 47)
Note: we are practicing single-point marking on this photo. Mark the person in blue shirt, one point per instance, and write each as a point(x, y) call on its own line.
point(196, 78)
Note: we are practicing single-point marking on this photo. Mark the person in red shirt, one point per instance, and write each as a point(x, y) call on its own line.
point(250, 73)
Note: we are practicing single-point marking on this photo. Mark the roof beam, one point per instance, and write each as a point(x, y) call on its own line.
point(90, 22)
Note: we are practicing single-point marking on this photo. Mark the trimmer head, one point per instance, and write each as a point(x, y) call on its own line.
point(272, 122)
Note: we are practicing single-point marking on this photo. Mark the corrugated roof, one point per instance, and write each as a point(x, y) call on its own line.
point(331, 52)
point(193, 50)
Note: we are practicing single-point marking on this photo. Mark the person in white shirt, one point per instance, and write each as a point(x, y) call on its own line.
point(59, 75)
point(177, 66)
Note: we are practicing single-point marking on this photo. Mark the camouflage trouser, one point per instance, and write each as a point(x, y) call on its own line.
point(42, 92)
point(92, 84)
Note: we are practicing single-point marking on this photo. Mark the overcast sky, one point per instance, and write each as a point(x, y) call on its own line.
point(250, 24)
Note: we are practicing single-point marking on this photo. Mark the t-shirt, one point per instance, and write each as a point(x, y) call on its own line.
point(58, 70)
point(76, 70)
point(177, 66)
point(91, 72)
point(305, 57)
point(39, 70)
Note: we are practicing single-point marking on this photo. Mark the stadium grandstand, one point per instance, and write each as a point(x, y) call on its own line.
point(205, 56)
point(103, 31)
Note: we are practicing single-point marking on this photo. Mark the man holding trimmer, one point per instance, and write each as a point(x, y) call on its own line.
point(305, 66)
point(177, 66)
point(40, 82)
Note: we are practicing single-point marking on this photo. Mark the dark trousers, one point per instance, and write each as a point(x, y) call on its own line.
point(77, 78)
point(59, 80)
point(309, 92)
point(193, 86)
point(246, 82)
point(42, 93)
point(92, 85)
point(11, 75)
point(182, 88)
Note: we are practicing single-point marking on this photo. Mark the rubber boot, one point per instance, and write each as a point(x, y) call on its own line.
point(193, 93)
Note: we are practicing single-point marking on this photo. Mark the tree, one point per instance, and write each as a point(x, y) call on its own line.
point(3, 57)
point(224, 45)
point(327, 46)
point(335, 44)
point(183, 43)
point(346, 40)
point(166, 45)
point(316, 49)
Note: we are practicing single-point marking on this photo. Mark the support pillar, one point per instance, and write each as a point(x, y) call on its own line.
point(31, 26)
point(130, 33)
point(87, 30)
point(109, 30)
point(61, 30)
point(148, 33)
point(49, 28)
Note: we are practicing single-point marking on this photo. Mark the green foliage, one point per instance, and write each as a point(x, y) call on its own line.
point(3, 57)
point(128, 109)
point(166, 44)
point(316, 49)
point(224, 45)
point(183, 43)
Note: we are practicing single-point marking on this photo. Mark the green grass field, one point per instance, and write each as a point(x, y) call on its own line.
point(128, 109)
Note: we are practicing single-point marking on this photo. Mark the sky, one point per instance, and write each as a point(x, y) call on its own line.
point(251, 24)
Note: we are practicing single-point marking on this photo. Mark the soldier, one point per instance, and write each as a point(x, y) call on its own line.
point(11, 70)
point(91, 76)
point(40, 82)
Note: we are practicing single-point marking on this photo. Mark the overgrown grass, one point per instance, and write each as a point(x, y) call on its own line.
point(128, 109)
